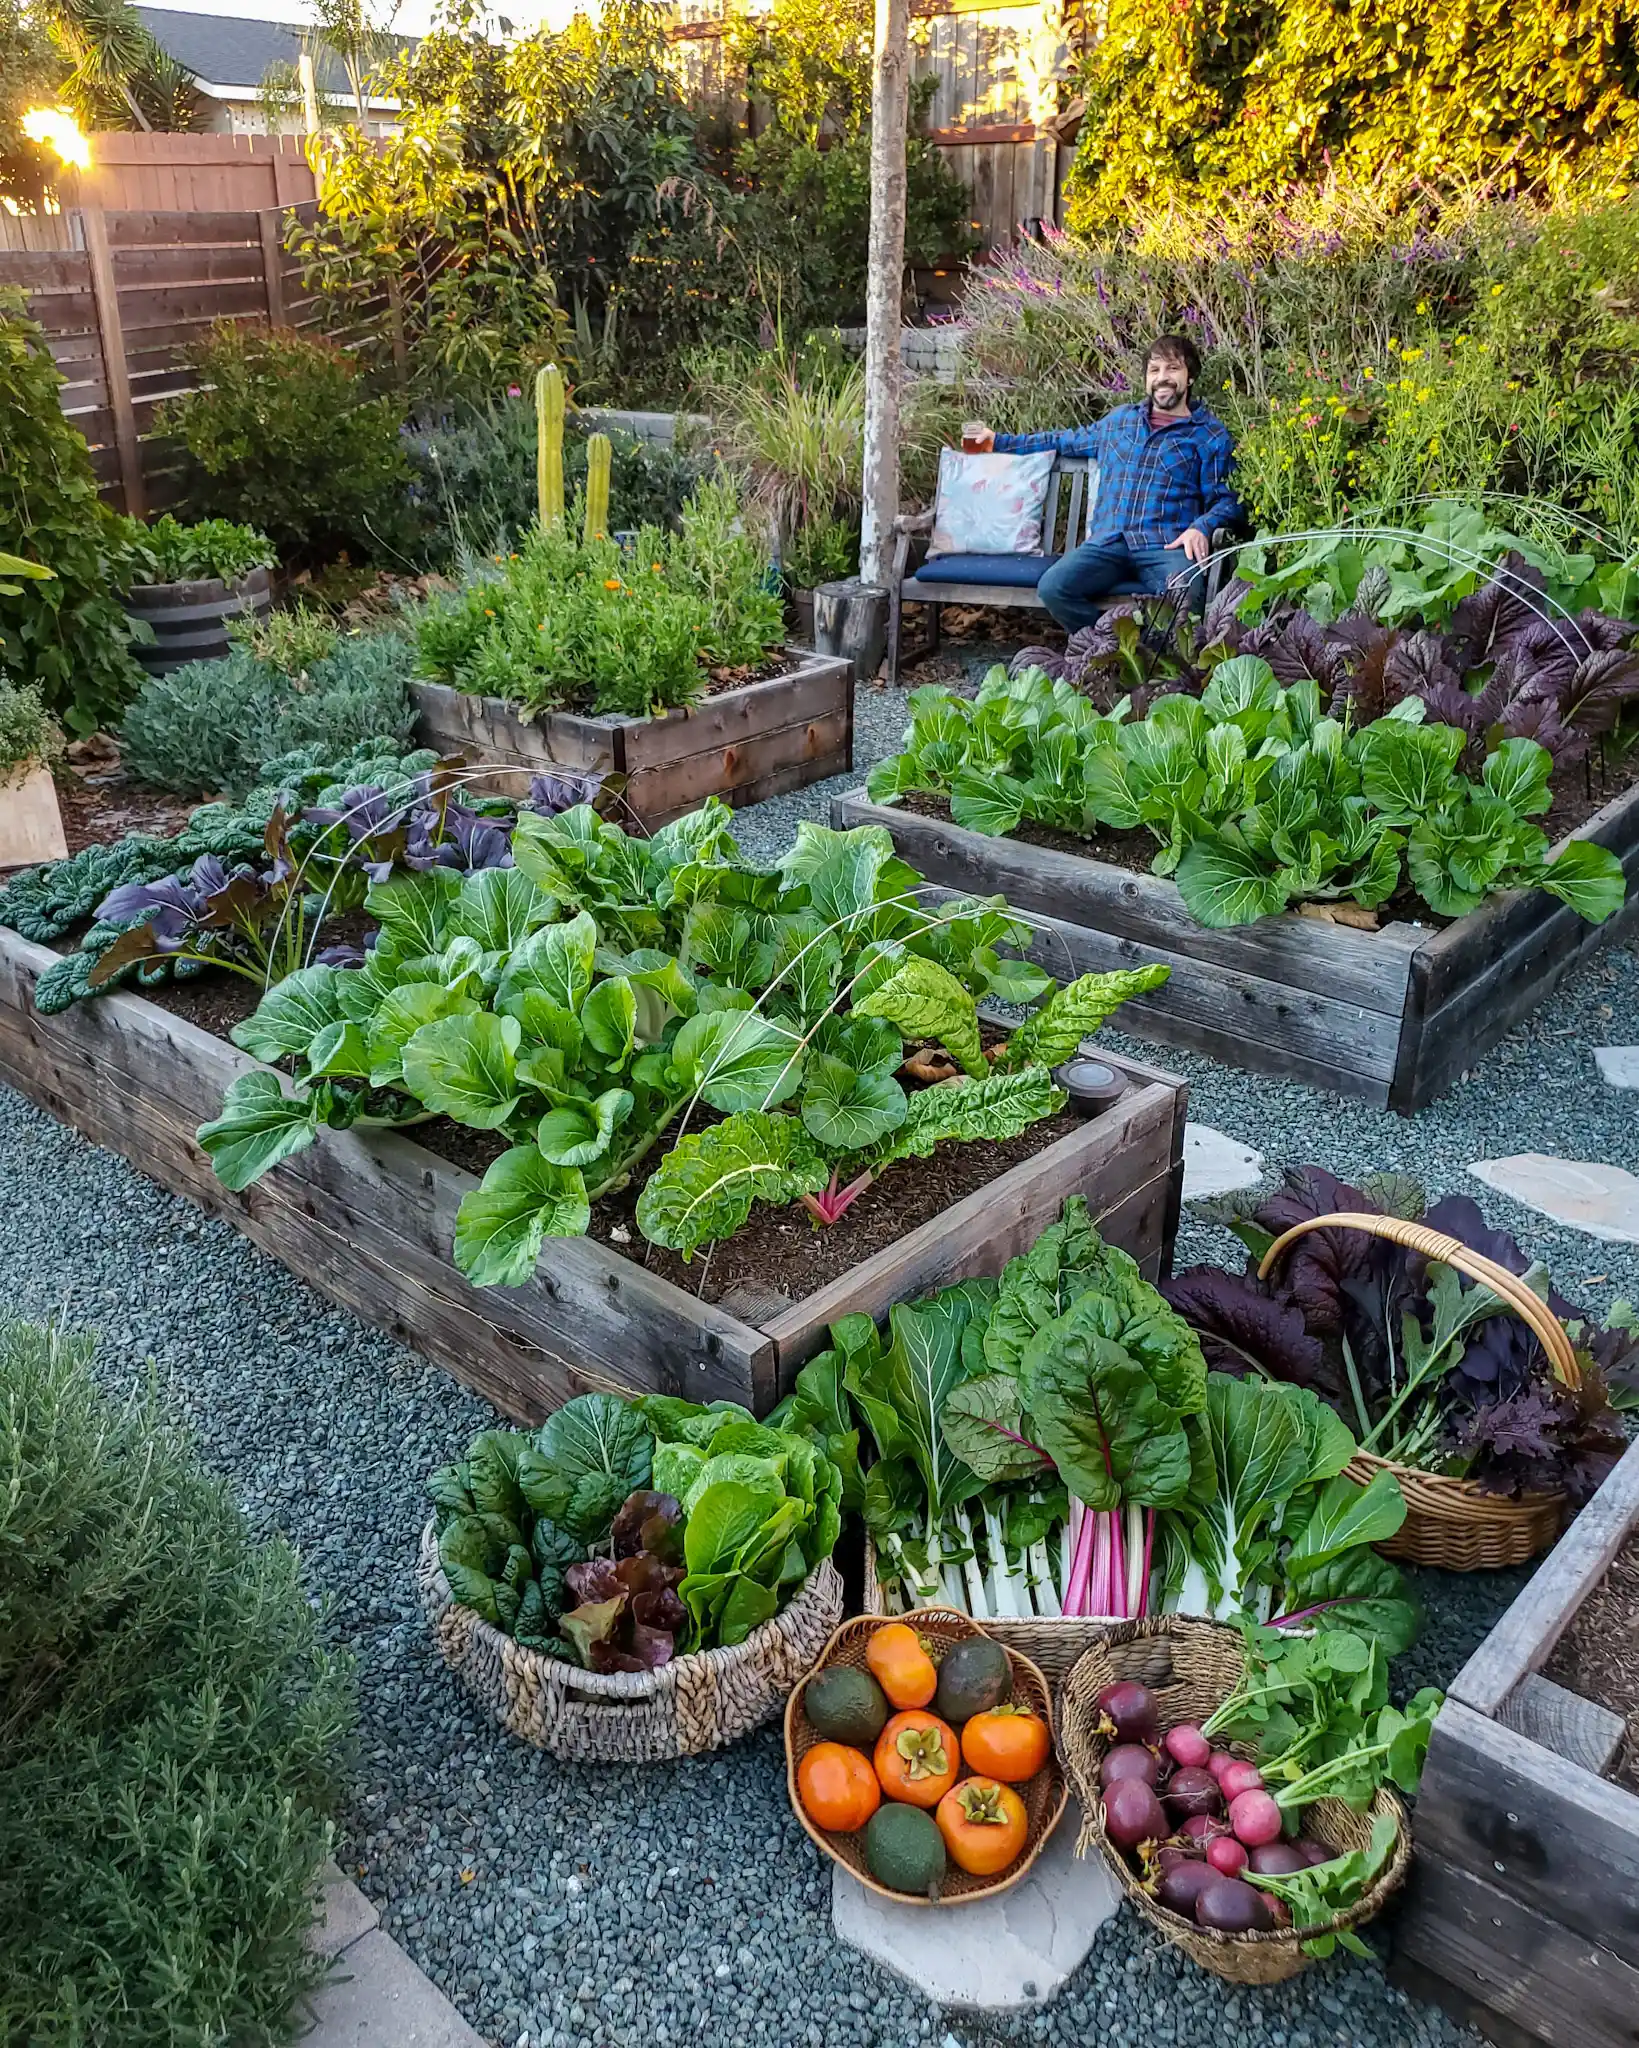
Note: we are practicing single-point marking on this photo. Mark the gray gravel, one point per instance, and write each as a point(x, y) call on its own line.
point(563, 1905)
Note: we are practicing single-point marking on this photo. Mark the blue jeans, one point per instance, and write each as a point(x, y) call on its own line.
point(1079, 584)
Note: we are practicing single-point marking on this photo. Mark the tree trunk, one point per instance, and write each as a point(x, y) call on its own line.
point(884, 286)
point(851, 619)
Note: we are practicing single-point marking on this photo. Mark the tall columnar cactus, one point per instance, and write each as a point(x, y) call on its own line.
point(549, 444)
point(597, 486)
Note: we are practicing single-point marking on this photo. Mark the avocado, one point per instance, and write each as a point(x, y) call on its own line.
point(904, 1849)
point(845, 1705)
point(974, 1677)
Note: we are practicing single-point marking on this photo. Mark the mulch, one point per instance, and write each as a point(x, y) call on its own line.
point(1598, 1655)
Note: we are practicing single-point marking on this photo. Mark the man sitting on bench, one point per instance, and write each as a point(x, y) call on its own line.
point(1163, 490)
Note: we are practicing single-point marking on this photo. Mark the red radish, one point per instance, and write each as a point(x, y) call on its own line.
point(1186, 1745)
point(1132, 1814)
point(1182, 1885)
point(1129, 1710)
point(1202, 1828)
point(1233, 1907)
point(1240, 1777)
point(1255, 1818)
point(1279, 1859)
point(1219, 1762)
point(1192, 1792)
point(1129, 1760)
point(1226, 1856)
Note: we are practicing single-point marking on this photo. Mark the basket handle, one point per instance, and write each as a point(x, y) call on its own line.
point(1450, 1251)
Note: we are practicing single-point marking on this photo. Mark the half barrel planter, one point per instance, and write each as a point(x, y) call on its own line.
point(1394, 1016)
point(190, 620)
point(1522, 1916)
point(742, 745)
point(368, 1218)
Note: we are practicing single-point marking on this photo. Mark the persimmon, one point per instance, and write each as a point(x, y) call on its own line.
point(917, 1758)
point(838, 1788)
point(1009, 1743)
point(901, 1666)
point(984, 1825)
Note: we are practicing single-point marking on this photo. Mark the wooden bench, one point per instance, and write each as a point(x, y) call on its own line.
point(1067, 519)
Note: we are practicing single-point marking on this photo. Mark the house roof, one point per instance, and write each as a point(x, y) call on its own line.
point(221, 50)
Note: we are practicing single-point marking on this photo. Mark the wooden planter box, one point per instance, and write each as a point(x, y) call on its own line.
point(368, 1217)
point(744, 745)
point(1523, 1912)
point(1394, 1016)
point(190, 620)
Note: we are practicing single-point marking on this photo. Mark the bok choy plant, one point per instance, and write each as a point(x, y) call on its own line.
point(605, 999)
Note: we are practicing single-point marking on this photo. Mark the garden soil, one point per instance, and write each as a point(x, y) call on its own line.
point(1598, 1655)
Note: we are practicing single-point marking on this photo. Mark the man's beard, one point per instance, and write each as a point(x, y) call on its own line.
point(1168, 396)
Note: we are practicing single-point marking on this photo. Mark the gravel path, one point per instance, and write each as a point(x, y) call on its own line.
point(617, 1908)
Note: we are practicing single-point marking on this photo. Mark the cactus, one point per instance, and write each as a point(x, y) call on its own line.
point(597, 486)
point(549, 444)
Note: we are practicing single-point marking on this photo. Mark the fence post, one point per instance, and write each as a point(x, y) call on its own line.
point(270, 220)
point(115, 377)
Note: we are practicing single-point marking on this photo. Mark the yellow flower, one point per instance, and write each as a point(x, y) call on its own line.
point(1422, 305)
point(1367, 371)
point(1394, 346)
point(1496, 290)
point(1410, 355)
point(1424, 395)
point(655, 566)
point(488, 614)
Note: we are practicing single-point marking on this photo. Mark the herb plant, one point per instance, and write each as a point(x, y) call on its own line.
point(167, 551)
point(601, 999)
point(624, 1533)
point(28, 732)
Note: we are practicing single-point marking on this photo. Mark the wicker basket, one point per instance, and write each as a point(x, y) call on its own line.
point(1044, 1795)
point(1192, 1666)
point(692, 1704)
point(1449, 1522)
point(1053, 1643)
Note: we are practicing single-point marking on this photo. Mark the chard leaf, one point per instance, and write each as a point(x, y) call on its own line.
point(845, 1111)
point(1354, 1590)
point(502, 1223)
point(463, 1067)
point(576, 1134)
point(984, 1423)
point(925, 1000)
point(259, 1126)
point(1052, 1034)
point(702, 1191)
point(737, 1060)
point(957, 1112)
point(291, 1015)
point(402, 1014)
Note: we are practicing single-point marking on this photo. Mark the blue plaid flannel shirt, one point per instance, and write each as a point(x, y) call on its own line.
point(1152, 481)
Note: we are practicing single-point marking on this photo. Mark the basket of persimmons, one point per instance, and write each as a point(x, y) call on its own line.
point(919, 1753)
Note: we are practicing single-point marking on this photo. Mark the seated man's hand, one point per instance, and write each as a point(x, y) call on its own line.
point(977, 438)
point(1193, 542)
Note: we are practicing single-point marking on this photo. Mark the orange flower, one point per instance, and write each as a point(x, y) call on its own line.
point(611, 583)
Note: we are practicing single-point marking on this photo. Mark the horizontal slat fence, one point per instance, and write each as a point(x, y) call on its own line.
point(122, 303)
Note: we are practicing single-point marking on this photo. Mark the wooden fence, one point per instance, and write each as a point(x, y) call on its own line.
point(121, 300)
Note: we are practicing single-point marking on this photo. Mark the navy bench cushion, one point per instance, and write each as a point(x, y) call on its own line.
point(1018, 572)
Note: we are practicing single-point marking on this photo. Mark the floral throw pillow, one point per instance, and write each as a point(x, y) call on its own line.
point(989, 504)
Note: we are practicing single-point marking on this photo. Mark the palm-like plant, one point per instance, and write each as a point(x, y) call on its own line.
point(119, 77)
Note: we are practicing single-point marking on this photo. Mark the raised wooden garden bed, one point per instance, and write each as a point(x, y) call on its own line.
point(741, 745)
point(367, 1216)
point(1523, 1913)
point(1394, 1016)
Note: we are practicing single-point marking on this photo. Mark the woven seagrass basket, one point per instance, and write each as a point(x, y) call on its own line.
point(1192, 1666)
point(694, 1703)
point(1044, 1795)
point(1450, 1522)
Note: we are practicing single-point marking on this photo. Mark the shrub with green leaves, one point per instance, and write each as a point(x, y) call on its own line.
point(168, 551)
point(28, 732)
point(174, 1729)
point(65, 634)
point(283, 435)
point(607, 998)
point(215, 725)
point(588, 624)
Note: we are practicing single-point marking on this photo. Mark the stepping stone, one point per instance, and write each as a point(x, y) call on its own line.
point(379, 1999)
point(997, 1955)
point(1217, 1165)
point(1580, 1193)
point(1618, 1065)
point(348, 1914)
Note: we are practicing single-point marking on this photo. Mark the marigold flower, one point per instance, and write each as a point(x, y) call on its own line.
point(611, 583)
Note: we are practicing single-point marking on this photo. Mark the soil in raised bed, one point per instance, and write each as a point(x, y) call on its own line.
point(105, 805)
point(1598, 1655)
